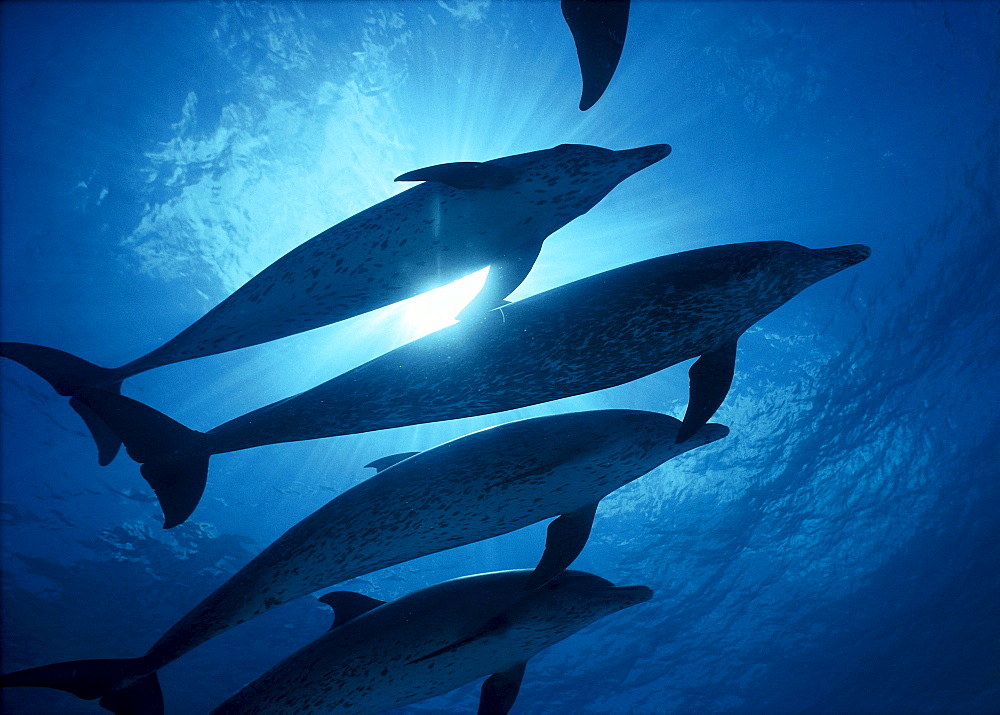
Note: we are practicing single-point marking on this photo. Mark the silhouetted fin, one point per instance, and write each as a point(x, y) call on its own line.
point(711, 376)
point(504, 277)
point(464, 175)
point(123, 684)
point(170, 454)
point(388, 461)
point(564, 540)
point(500, 690)
point(67, 374)
point(599, 28)
point(107, 441)
point(179, 483)
point(348, 605)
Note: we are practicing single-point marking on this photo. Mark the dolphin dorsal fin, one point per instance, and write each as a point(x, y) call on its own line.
point(464, 175)
point(500, 690)
point(348, 605)
point(388, 461)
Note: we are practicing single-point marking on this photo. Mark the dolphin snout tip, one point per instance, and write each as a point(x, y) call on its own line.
point(636, 594)
point(651, 154)
point(844, 256)
point(660, 151)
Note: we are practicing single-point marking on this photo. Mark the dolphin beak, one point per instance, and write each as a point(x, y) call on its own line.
point(634, 595)
point(648, 155)
point(841, 257)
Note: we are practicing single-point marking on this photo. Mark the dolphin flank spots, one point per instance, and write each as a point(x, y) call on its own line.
point(595, 333)
point(473, 488)
point(466, 216)
point(432, 641)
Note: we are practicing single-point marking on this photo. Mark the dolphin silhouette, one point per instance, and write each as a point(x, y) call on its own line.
point(464, 217)
point(433, 641)
point(599, 28)
point(473, 488)
point(595, 333)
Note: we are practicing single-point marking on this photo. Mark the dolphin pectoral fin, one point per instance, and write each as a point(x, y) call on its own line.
point(107, 441)
point(599, 28)
point(505, 275)
point(500, 690)
point(710, 376)
point(388, 461)
point(564, 540)
point(464, 175)
point(348, 605)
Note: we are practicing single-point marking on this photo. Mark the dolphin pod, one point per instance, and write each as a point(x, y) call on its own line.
point(598, 28)
point(592, 334)
point(464, 217)
point(433, 641)
point(472, 488)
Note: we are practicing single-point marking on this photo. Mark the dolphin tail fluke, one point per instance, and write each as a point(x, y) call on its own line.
point(105, 438)
point(599, 28)
point(67, 374)
point(173, 460)
point(123, 685)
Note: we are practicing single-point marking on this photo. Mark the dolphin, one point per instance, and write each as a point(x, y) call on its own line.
point(381, 656)
point(588, 335)
point(473, 488)
point(464, 217)
point(598, 28)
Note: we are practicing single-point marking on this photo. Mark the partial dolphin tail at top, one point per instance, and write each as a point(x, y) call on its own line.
point(123, 685)
point(598, 28)
point(172, 456)
point(67, 374)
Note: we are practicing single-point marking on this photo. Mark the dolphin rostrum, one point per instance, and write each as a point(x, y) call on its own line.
point(595, 333)
point(432, 641)
point(473, 488)
point(598, 28)
point(464, 217)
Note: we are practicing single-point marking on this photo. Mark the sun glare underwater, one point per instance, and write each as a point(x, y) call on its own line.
point(834, 551)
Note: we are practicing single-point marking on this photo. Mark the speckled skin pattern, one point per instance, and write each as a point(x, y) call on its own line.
point(426, 236)
point(598, 332)
point(378, 660)
point(473, 488)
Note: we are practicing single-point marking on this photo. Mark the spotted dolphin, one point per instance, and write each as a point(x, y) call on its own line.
point(382, 655)
point(432, 641)
point(588, 335)
point(464, 217)
point(472, 488)
point(599, 28)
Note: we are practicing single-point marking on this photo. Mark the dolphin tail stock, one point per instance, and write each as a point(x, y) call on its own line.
point(173, 460)
point(66, 374)
point(124, 685)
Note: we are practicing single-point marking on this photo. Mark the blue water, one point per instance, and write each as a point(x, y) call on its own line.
point(837, 553)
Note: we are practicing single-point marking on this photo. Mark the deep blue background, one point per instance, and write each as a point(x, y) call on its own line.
point(838, 552)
